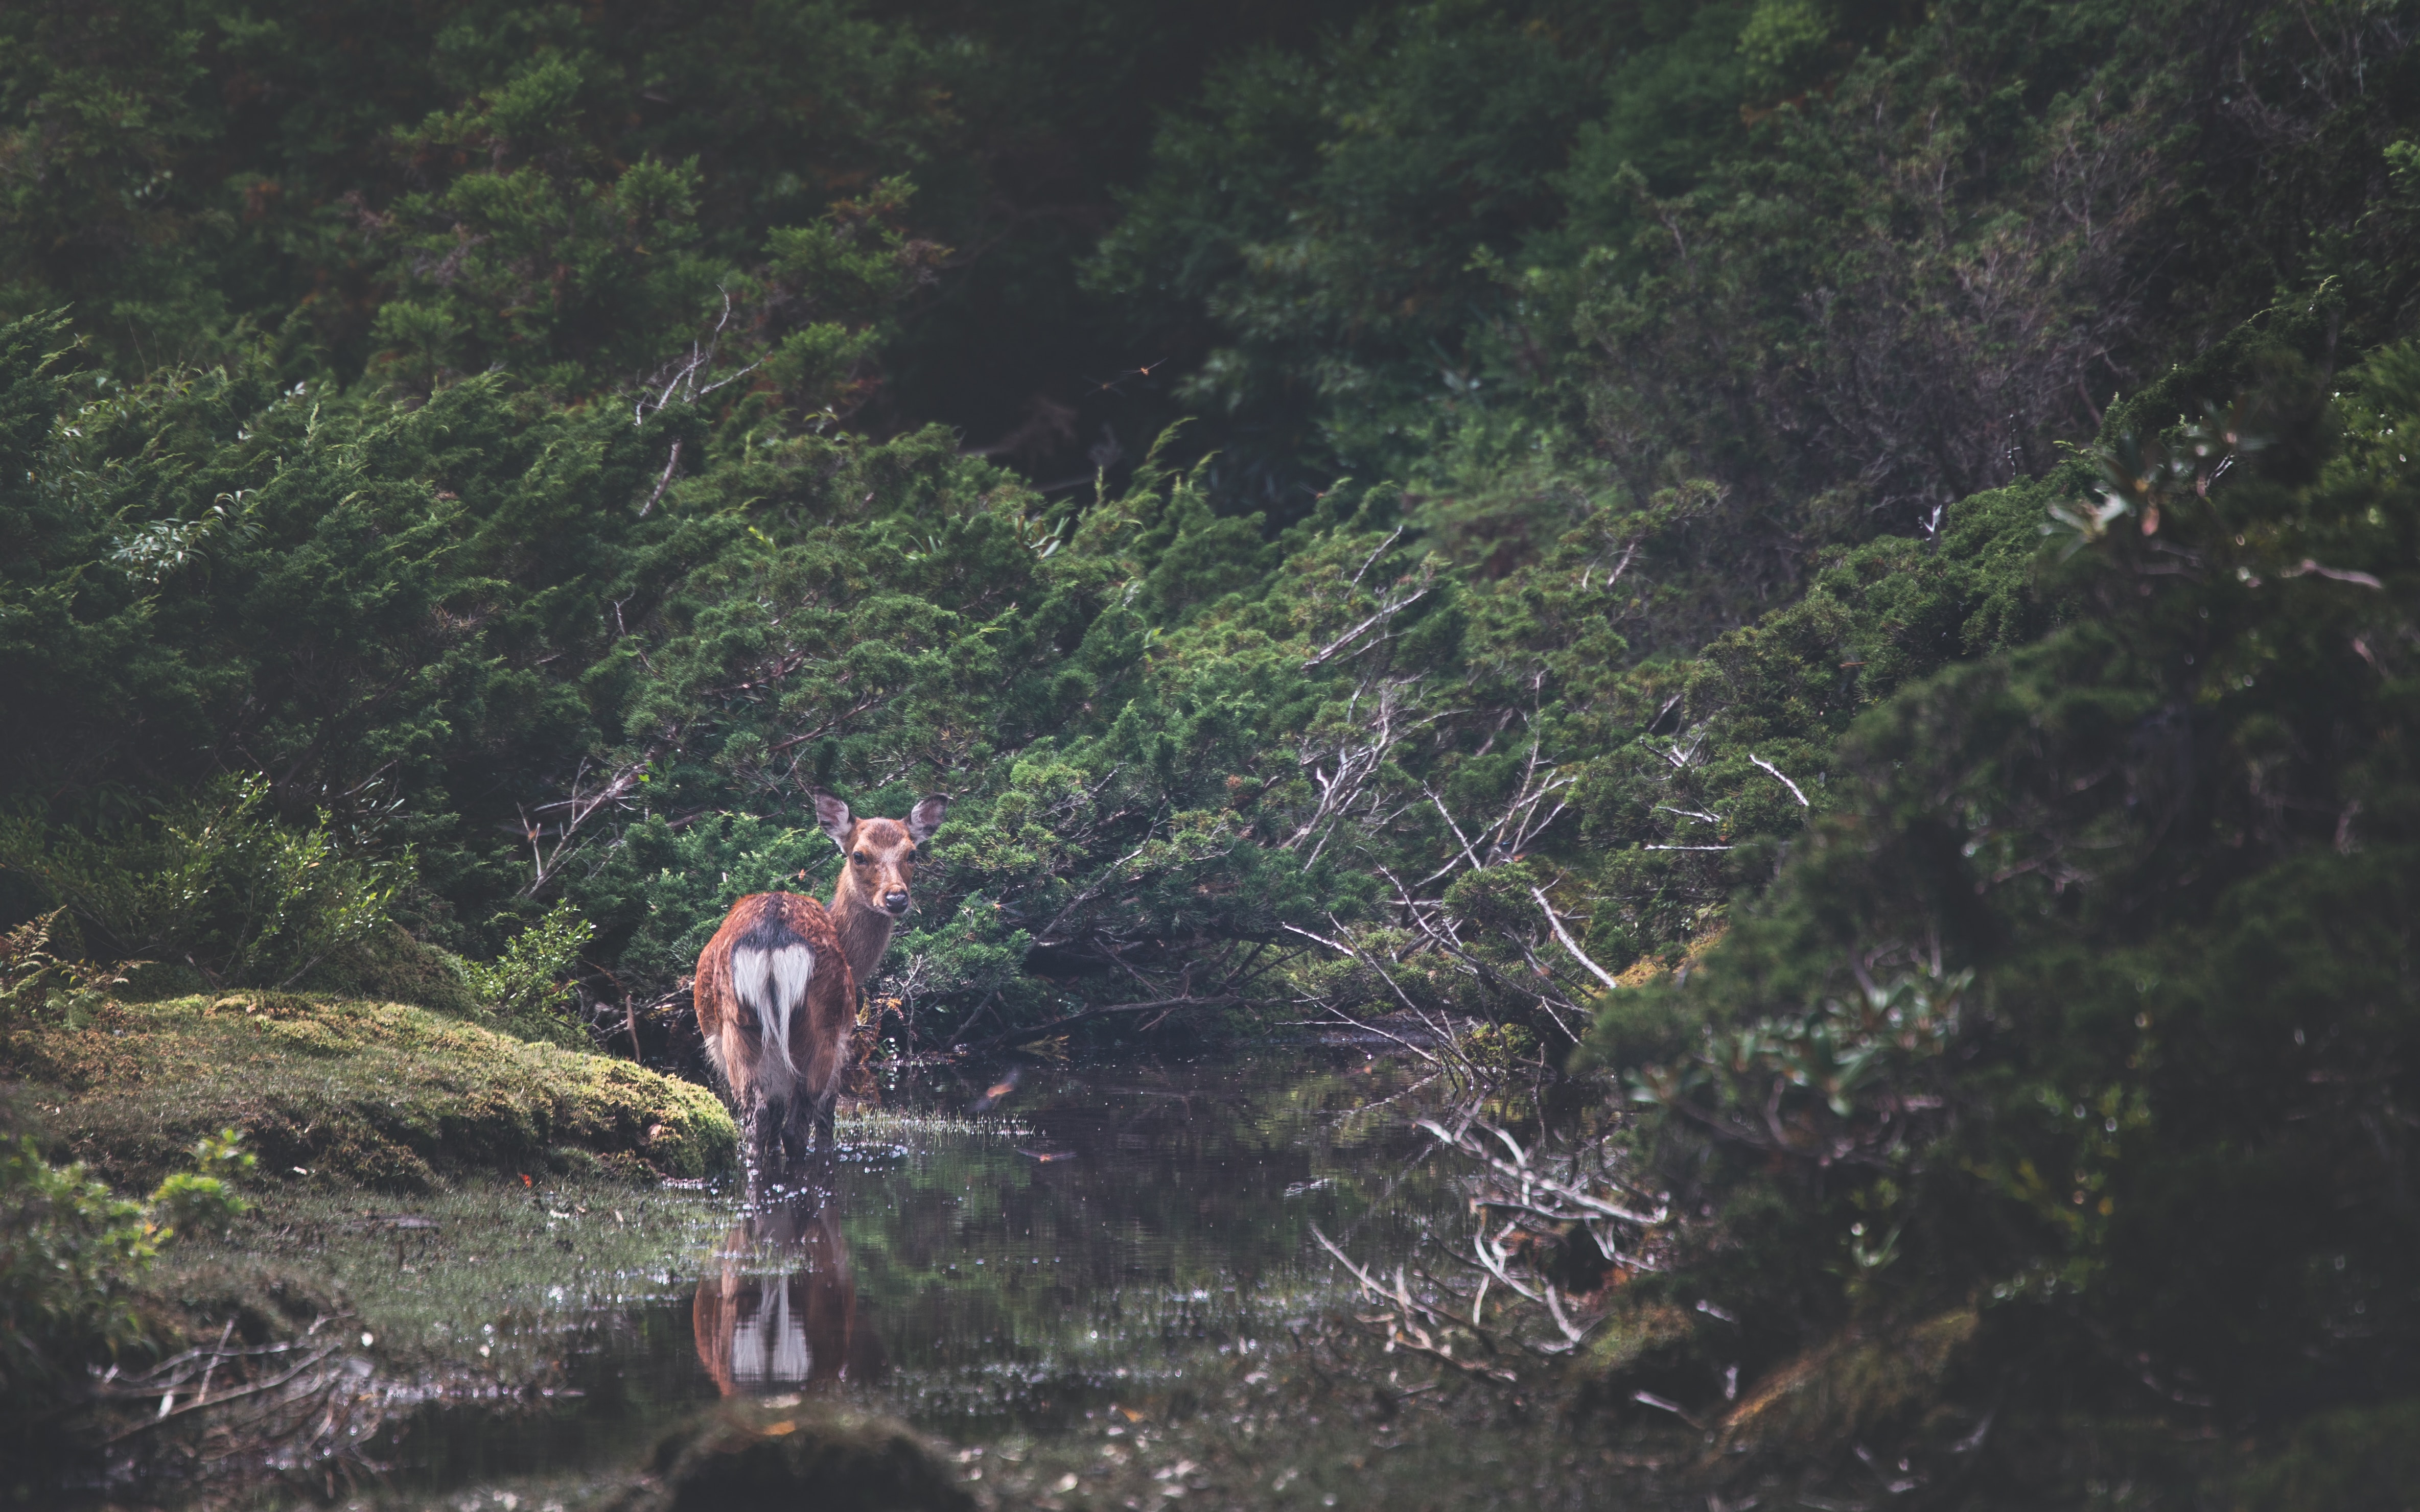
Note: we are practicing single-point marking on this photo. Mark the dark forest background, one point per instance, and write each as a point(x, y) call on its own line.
point(1886, 527)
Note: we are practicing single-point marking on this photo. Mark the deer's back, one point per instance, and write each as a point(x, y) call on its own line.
point(818, 1033)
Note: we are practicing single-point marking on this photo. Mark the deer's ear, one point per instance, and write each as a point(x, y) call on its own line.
point(928, 815)
point(833, 815)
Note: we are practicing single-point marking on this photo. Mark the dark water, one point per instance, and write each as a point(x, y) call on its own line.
point(1098, 1245)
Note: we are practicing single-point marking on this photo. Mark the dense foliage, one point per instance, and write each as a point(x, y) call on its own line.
point(2108, 960)
point(71, 1253)
point(1624, 474)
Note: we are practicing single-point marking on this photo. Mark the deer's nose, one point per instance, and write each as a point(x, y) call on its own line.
point(895, 900)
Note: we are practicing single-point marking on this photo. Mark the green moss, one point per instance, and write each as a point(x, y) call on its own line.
point(392, 967)
point(1631, 1334)
point(351, 1091)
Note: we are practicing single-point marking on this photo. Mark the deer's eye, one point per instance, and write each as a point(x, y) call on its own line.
point(912, 854)
point(862, 859)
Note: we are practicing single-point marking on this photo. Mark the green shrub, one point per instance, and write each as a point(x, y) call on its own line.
point(69, 1250)
point(205, 1198)
point(389, 964)
point(2104, 945)
point(526, 988)
point(71, 1253)
point(38, 985)
point(214, 882)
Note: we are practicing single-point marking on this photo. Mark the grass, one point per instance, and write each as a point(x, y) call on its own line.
point(490, 1276)
point(349, 1093)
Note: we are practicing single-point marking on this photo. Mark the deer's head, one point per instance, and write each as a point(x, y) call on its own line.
point(880, 856)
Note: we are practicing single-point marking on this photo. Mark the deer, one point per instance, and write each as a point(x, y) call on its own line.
point(877, 864)
point(776, 987)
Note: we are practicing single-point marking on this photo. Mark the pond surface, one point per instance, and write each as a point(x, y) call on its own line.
point(1111, 1250)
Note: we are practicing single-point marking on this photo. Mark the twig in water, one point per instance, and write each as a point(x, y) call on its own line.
point(1648, 1398)
point(204, 1395)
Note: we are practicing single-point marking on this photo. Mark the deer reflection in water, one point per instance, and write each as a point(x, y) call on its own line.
point(780, 1312)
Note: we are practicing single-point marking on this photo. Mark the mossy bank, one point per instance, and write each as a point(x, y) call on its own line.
point(348, 1092)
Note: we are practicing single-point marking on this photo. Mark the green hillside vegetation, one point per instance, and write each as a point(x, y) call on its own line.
point(372, 1094)
point(1416, 507)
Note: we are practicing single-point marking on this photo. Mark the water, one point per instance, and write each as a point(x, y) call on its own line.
point(1111, 1248)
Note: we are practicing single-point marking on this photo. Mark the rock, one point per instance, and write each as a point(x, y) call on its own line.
point(743, 1458)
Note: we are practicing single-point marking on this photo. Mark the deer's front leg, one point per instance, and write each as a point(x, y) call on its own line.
point(751, 1153)
point(786, 1144)
point(798, 1133)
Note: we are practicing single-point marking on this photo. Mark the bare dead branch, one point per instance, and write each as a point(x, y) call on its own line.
point(665, 481)
point(1386, 611)
point(1572, 946)
point(1776, 773)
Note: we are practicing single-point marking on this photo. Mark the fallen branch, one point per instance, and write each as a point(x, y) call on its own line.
point(252, 1390)
point(1590, 1206)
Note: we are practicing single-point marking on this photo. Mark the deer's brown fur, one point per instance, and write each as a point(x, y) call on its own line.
point(776, 988)
point(775, 1004)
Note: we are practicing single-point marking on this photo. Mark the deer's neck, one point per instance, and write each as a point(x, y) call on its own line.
point(864, 932)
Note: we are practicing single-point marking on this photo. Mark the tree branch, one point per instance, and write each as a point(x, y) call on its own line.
point(1572, 946)
point(1037, 1031)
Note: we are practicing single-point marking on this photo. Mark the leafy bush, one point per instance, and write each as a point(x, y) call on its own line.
point(71, 1253)
point(36, 984)
point(526, 987)
point(205, 1197)
point(214, 883)
point(68, 1252)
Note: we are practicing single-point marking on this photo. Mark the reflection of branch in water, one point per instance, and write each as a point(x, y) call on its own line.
point(797, 1327)
point(300, 1405)
point(1532, 1204)
point(1351, 1114)
point(1404, 1326)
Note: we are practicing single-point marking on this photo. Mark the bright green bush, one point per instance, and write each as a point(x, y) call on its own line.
point(71, 1253)
point(68, 1254)
point(527, 987)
